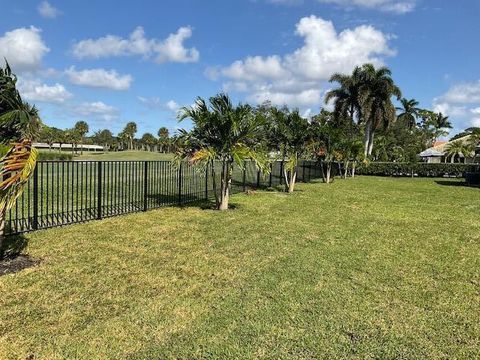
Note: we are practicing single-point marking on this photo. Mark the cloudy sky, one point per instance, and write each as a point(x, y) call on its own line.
point(113, 61)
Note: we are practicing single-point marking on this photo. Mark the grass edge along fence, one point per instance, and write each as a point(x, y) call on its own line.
point(416, 169)
point(68, 192)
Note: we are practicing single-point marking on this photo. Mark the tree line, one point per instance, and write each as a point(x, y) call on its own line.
point(125, 140)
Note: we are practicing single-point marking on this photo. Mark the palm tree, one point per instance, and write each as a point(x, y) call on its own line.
point(409, 112)
point(148, 141)
point(459, 148)
point(129, 132)
point(366, 95)
point(346, 96)
point(81, 128)
point(20, 123)
point(163, 135)
point(222, 132)
point(291, 132)
point(376, 91)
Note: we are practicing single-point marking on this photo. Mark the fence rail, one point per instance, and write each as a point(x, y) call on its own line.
point(67, 192)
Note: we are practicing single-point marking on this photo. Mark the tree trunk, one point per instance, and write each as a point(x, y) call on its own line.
point(329, 171)
point(354, 164)
point(366, 140)
point(370, 143)
point(81, 147)
point(345, 170)
point(293, 178)
point(3, 214)
point(225, 186)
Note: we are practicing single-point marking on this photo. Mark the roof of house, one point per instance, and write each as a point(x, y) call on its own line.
point(67, 146)
point(438, 148)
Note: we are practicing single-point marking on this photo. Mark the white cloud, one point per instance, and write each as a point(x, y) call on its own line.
point(34, 90)
point(157, 104)
point(47, 10)
point(396, 6)
point(172, 105)
point(296, 79)
point(462, 104)
point(171, 49)
point(23, 48)
point(96, 109)
point(465, 93)
point(99, 78)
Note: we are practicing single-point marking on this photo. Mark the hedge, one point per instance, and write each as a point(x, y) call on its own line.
point(419, 169)
point(54, 155)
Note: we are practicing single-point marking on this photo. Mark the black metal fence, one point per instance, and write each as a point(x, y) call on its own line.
point(68, 192)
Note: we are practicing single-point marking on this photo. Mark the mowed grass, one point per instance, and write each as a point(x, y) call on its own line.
point(361, 268)
point(130, 155)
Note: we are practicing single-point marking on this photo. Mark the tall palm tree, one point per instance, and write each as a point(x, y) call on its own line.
point(20, 123)
point(129, 132)
point(163, 135)
point(375, 98)
point(409, 112)
point(346, 96)
point(81, 127)
point(221, 132)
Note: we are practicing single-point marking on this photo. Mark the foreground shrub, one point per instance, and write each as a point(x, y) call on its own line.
point(418, 169)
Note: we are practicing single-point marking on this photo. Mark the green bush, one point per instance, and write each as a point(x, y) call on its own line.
point(419, 169)
point(54, 156)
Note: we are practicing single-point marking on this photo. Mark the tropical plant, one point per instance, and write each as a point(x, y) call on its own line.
point(20, 123)
point(129, 133)
point(164, 139)
point(148, 141)
point(459, 149)
point(104, 137)
point(222, 132)
point(291, 132)
point(81, 128)
point(366, 95)
point(409, 112)
point(376, 94)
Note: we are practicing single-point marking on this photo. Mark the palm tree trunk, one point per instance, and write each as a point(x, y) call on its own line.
point(366, 140)
point(370, 142)
point(345, 170)
point(329, 171)
point(293, 178)
point(225, 186)
point(354, 164)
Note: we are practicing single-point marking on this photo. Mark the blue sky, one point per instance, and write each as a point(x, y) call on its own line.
point(109, 62)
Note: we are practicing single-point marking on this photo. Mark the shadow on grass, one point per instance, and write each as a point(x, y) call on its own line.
point(11, 258)
point(456, 183)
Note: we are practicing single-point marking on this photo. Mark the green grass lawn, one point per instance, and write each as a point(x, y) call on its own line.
point(124, 155)
point(362, 268)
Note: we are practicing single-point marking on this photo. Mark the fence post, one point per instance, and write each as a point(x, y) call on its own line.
point(244, 176)
point(145, 185)
point(206, 182)
point(99, 189)
point(270, 176)
point(180, 184)
point(35, 198)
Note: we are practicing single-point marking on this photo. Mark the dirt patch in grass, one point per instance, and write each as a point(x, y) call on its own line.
point(16, 264)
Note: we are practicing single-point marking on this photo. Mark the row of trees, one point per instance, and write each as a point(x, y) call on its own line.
point(77, 136)
point(363, 116)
